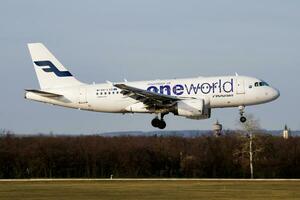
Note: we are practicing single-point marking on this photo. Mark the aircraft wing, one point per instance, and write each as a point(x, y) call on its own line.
point(151, 99)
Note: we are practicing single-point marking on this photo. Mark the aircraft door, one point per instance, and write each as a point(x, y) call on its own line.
point(240, 86)
point(82, 95)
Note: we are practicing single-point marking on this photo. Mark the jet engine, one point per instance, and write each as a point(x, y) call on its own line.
point(192, 109)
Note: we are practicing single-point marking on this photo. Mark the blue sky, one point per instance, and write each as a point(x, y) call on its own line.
point(140, 40)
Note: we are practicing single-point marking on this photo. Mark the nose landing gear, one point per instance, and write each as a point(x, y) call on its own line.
point(242, 111)
point(159, 123)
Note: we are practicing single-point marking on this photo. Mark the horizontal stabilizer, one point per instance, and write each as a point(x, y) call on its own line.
point(44, 93)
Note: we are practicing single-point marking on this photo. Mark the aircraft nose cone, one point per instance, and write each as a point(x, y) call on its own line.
point(275, 94)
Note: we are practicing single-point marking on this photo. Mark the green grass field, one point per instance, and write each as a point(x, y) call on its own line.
point(73, 190)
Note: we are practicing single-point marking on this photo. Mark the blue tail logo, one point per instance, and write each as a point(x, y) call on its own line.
point(52, 68)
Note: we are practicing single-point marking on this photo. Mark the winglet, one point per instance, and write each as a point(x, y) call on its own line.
point(109, 82)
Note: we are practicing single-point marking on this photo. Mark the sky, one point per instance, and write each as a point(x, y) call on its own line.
point(139, 40)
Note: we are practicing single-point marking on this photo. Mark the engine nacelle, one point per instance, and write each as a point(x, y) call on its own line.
point(192, 109)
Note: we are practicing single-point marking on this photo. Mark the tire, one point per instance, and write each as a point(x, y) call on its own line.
point(162, 124)
point(243, 119)
point(155, 122)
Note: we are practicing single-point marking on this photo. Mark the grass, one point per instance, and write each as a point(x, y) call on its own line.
point(187, 189)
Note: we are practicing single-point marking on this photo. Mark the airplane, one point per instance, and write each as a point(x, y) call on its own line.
point(193, 98)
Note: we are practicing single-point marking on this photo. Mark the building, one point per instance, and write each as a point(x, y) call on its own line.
point(217, 129)
point(286, 132)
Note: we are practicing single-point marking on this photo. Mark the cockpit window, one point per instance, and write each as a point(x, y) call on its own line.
point(263, 84)
point(259, 84)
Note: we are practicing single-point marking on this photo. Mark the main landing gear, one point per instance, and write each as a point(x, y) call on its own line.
point(242, 111)
point(159, 123)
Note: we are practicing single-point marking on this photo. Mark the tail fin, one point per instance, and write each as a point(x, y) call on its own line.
point(50, 72)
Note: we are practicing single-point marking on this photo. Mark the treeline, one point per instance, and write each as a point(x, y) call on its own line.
point(151, 157)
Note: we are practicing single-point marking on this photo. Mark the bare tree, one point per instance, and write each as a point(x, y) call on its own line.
point(250, 127)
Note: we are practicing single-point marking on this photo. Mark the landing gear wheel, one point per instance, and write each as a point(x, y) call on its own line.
point(162, 124)
point(242, 111)
point(243, 119)
point(159, 122)
point(155, 122)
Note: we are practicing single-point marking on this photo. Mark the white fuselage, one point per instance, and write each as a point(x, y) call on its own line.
point(217, 92)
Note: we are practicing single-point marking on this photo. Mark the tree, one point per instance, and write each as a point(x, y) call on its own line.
point(251, 126)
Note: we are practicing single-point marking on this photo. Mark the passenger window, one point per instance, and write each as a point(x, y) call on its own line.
point(250, 86)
